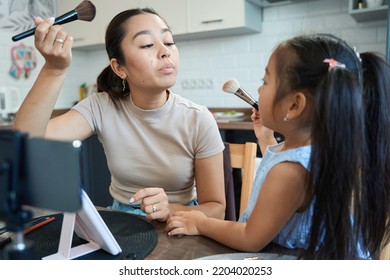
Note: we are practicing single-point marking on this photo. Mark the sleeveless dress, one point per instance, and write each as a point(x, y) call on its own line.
point(294, 234)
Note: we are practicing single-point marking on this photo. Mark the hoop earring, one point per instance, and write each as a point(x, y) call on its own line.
point(124, 85)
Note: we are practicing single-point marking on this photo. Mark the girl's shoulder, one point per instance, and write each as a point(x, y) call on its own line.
point(300, 155)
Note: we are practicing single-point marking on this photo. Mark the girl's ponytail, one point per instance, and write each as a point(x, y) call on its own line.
point(335, 164)
point(375, 198)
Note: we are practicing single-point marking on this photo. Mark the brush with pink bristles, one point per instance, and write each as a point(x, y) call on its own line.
point(232, 86)
point(85, 11)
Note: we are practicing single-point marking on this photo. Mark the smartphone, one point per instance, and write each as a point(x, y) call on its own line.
point(4, 240)
point(39, 172)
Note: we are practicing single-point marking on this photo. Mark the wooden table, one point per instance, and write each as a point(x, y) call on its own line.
point(193, 247)
point(184, 247)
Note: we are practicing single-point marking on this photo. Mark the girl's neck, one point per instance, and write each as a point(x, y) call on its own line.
point(149, 101)
point(296, 139)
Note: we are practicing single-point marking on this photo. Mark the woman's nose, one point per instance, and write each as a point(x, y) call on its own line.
point(164, 51)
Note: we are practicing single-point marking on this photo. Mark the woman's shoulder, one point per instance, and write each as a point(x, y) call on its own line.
point(186, 103)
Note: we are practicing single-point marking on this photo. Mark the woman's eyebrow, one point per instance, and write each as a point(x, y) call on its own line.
point(149, 32)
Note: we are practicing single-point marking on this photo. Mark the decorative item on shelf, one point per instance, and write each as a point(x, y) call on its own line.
point(374, 3)
point(24, 60)
point(83, 91)
point(87, 90)
point(360, 4)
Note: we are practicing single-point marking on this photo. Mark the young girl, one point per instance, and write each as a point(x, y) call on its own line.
point(304, 187)
point(157, 143)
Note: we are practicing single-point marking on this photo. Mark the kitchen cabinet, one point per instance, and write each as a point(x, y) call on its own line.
point(188, 19)
point(88, 34)
point(222, 17)
point(84, 33)
point(174, 11)
point(364, 13)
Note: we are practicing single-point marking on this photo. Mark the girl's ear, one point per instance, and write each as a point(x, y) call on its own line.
point(117, 68)
point(297, 105)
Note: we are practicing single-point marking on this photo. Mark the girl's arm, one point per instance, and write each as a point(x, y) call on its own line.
point(283, 193)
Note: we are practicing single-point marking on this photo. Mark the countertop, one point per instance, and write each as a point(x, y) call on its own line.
point(244, 123)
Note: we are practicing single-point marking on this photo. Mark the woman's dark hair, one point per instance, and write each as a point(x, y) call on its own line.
point(337, 136)
point(375, 197)
point(107, 80)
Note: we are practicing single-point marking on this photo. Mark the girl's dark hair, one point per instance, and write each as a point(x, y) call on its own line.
point(107, 80)
point(375, 197)
point(337, 136)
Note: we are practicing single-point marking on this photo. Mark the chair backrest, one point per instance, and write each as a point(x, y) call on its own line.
point(385, 253)
point(243, 156)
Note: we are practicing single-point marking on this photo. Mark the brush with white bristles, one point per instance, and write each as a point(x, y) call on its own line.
point(85, 11)
point(232, 86)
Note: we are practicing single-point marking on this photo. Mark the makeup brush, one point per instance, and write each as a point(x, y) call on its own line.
point(232, 86)
point(85, 11)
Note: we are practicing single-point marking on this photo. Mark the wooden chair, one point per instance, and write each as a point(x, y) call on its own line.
point(385, 253)
point(242, 156)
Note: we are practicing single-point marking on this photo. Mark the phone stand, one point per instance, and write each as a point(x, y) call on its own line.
point(88, 225)
point(65, 249)
point(55, 183)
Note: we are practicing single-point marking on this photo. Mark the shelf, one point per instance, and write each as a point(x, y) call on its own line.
point(368, 14)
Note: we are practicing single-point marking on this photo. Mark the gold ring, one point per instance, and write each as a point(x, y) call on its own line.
point(154, 208)
point(60, 41)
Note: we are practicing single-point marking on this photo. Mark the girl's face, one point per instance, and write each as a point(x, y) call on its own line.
point(267, 92)
point(151, 56)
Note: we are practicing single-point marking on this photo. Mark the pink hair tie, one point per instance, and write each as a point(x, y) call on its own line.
point(333, 63)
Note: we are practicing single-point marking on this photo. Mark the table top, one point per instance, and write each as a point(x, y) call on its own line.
point(195, 247)
point(184, 247)
point(235, 125)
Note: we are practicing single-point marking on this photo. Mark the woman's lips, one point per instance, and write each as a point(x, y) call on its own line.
point(167, 69)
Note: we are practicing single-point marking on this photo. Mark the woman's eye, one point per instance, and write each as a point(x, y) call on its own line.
point(263, 82)
point(146, 46)
point(170, 44)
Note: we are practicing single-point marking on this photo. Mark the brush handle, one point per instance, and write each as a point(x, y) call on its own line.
point(241, 93)
point(65, 18)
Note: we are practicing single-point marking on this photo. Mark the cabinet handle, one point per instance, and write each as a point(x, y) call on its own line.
point(211, 21)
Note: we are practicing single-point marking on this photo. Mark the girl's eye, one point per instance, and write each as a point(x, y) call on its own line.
point(263, 82)
point(170, 44)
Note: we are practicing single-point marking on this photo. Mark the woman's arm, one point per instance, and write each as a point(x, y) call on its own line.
point(34, 113)
point(210, 186)
point(36, 109)
point(280, 197)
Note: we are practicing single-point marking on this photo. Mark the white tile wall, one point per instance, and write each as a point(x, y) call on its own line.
point(216, 60)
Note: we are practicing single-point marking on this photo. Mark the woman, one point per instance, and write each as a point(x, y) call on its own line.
point(157, 144)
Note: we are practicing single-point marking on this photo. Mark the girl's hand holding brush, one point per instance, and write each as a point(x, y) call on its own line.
point(264, 135)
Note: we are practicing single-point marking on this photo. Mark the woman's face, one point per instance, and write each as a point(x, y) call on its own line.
point(151, 56)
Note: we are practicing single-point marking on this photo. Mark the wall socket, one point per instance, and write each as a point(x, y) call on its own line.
point(197, 84)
